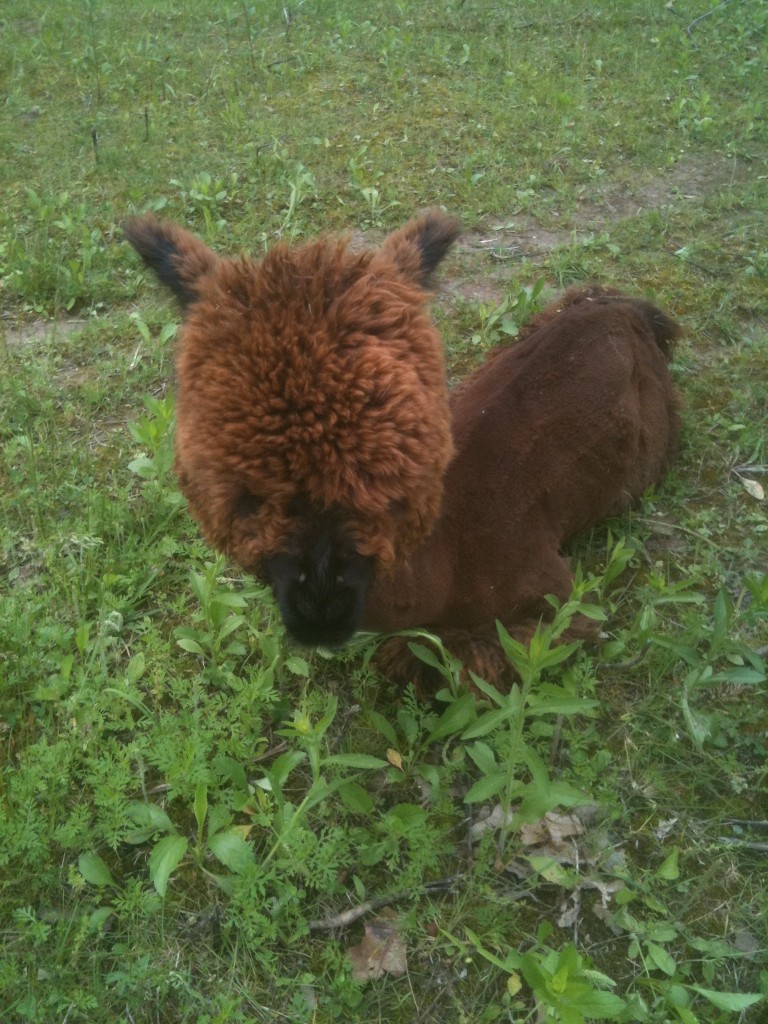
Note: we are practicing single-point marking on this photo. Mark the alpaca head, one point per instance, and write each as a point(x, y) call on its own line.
point(313, 429)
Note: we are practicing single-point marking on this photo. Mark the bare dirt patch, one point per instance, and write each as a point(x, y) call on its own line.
point(508, 239)
point(15, 334)
point(692, 178)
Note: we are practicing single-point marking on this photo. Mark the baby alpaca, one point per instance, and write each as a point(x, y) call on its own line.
point(313, 428)
point(317, 445)
point(554, 433)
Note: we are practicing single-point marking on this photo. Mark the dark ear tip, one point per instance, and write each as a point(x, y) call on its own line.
point(436, 217)
point(437, 231)
point(176, 258)
point(438, 227)
point(139, 226)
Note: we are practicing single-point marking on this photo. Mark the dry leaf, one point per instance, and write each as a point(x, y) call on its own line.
point(746, 942)
point(664, 827)
point(569, 915)
point(753, 487)
point(494, 820)
point(534, 833)
point(516, 867)
point(382, 950)
point(559, 841)
point(395, 759)
point(552, 829)
point(606, 889)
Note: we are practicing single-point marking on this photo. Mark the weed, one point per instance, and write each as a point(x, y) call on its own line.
point(302, 185)
point(207, 197)
point(530, 699)
point(504, 320)
point(54, 254)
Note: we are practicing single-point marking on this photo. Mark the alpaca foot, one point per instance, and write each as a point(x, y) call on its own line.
point(479, 651)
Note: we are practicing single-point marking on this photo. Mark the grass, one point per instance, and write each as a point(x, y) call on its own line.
point(187, 802)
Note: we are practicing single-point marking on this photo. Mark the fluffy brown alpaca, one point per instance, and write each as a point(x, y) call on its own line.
point(553, 434)
point(315, 437)
point(313, 428)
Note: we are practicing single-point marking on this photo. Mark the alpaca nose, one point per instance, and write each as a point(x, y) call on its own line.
point(322, 611)
point(320, 599)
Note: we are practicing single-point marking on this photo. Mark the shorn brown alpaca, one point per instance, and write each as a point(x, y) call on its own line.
point(556, 432)
point(317, 445)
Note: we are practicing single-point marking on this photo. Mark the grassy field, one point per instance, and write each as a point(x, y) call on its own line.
point(199, 823)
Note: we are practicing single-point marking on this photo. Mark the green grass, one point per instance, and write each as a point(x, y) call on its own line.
point(182, 793)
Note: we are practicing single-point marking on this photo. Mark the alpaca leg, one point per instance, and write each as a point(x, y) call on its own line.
point(479, 651)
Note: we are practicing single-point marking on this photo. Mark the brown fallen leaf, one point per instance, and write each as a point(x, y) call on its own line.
point(395, 758)
point(552, 827)
point(754, 488)
point(551, 830)
point(665, 826)
point(570, 911)
point(557, 844)
point(495, 819)
point(381, 951)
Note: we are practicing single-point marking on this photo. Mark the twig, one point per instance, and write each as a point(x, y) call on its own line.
point(576, 894)
point(250, 35)
point(743, 845)
point(713, 271)
point(672, 527)
point(272, 752)
point(275, 63)
point(470, 823)
point(347, 917)
point(554, 747)
point(701, 17)
point(631, 662)
point(746, 821)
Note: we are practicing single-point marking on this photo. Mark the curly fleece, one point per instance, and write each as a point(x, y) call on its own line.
point(313, 379)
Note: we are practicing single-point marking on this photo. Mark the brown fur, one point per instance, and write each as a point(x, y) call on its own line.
point(312, 379)
point(315, 437)
point(553, 434)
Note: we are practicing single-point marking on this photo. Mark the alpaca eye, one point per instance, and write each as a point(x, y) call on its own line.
point(247, 505)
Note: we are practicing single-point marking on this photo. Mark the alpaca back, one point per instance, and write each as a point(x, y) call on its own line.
point(664, 328)
point(579, 416)
point(554, 433)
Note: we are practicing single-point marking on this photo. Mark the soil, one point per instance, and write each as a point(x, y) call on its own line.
point(486, 255)
point(15, 334)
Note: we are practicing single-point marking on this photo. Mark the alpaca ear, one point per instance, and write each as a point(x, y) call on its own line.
point(419, 247)
point(176, 256)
